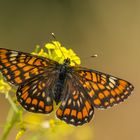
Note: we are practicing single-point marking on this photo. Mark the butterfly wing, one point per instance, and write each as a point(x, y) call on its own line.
point(18, 66)
point(35, 95)
point(75, 107)
point(104, 90)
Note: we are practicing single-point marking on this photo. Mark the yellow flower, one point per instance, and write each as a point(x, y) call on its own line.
point(4, 86)
point(57, 52)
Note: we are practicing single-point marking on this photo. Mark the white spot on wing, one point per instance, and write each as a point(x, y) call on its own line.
point(108, 87)
point(111, 85)
point(72, 120)
point(48, 99)
point(14, 52)
point(78, 103)
point(43, 94)
point(12, 58)
point(63, 103)
point(91, 112)
point(34, 91)
point(14, 62)
point(32, 108)
point(69, 101)
point(112, 80)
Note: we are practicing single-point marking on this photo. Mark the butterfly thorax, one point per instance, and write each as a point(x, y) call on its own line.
point(62, 69)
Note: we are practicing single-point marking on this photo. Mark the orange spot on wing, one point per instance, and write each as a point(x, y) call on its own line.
point(59, 112)
point(97, 101)
point(25, 89)
point(26, 68)
point(87, 85)
point(101, 95)
point(101, 86)
point(24, 95)
point(106, 93)
point(94, 77)
point(31, 61)
point(45, 64)
point(91, 93)
point(117, 91)
point(41, 104)
point(34, 101)
point(88, 106)
point(123, 83)
point(7, 64)
point(113, 93)
point(28, 100)
point(95, 86)
point(75, 96)
point(84, 111)
point(2, 56)
point(34, 71)
point(18, 80)
point(13, 67)
point(3, 51)
point(121, 88)
point(82, 73)
point(16, 73)
point(98, 78)
point(37, 62)
point(4, 60)
point(26, 75)
point(67, 111)
point(48, 108)
point(79, 115)
point(21, 65)
point(103, 82)
point(88, 76)
point(73, 113)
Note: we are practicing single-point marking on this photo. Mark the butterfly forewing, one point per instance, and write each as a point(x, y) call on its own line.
point(18, 66)
point(104, 90)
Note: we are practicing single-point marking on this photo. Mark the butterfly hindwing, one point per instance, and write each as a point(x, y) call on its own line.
point(35, 95)
point(75, 108)
point(18, 66)
point(104, 90)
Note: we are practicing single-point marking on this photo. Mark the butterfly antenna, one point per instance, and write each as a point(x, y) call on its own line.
point(95, 55)
point(53, 35)
point(92, 56)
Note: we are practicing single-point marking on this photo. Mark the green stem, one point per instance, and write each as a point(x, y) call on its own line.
point(12, 118)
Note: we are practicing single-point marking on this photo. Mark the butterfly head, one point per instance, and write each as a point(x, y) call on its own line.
point(67, 62)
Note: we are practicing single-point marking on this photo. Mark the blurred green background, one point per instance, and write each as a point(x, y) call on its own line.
point(109, 28)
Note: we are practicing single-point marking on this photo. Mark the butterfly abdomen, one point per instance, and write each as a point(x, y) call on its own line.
point(60, 83)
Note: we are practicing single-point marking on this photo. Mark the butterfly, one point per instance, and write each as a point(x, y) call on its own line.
point(77, 90)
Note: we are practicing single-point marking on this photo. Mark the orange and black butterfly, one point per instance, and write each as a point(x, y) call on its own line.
point(42, 81)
